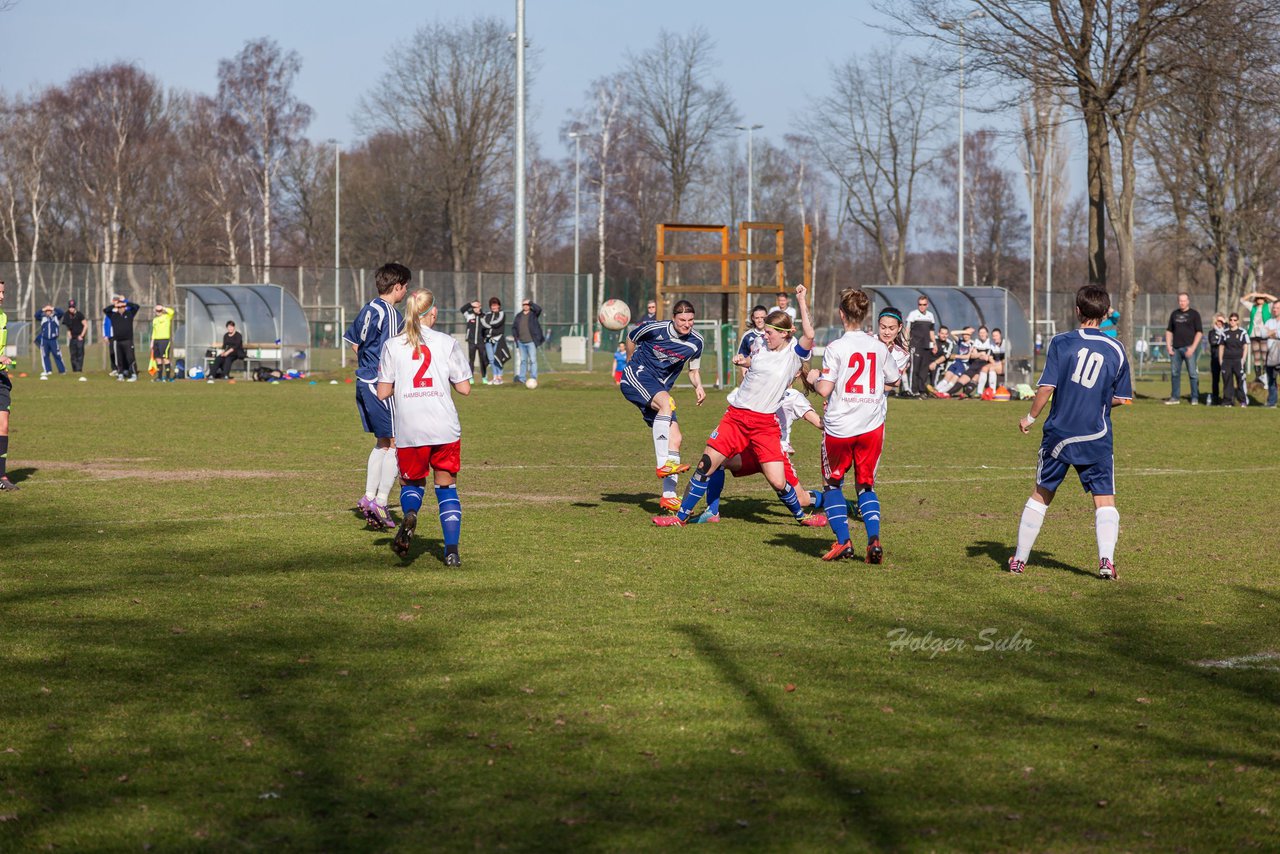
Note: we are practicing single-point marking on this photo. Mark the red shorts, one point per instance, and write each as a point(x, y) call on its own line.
point(416, 463)
point(743, 429)
point(859, 454)
point(751, 465)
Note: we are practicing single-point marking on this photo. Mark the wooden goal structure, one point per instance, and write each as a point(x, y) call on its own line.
point(726, 258)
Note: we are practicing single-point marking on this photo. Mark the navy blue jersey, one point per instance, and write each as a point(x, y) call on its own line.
point(377, 323)
point(660, 353)
point(752, 341)
point(1086, 368)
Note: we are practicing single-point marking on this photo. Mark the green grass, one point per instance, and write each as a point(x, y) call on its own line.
point(204, 649)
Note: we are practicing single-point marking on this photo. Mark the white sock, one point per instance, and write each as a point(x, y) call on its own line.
point(982, 383)
point(1029, 528)
point(373, 473)
point(387, 479)
point(944, 386)
point(1107, 521)
point(661, 437)
point(669, 486)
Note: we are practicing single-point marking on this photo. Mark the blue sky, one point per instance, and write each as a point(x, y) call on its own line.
point(773, 56)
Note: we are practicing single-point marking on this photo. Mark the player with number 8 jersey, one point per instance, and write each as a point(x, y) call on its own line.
point(416, 370)
point(856, 368)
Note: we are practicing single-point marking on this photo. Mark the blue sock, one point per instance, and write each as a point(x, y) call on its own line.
point(837, 513)
point(715, 486)
point(692, 495)
point(789, 498)
point(816, 498)
point(450, 514)
point(869, 507)
point(411, 497)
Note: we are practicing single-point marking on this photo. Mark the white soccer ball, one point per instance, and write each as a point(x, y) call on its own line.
point(614, 314)
point(531, 383)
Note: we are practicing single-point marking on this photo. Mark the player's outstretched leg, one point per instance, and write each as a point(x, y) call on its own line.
point(1107, 523)
point(410, 503)
point(715, 487)
point(838, 518)
point(450, 508)
point(869, 509)
point(1028, 529)
point(693, 493)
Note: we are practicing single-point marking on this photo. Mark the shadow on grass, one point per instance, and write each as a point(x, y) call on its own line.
point(861, 814)
point(808, 544)
point(20, 475)
point(999, 553)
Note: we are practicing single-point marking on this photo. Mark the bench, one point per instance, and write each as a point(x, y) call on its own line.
point(254, 354)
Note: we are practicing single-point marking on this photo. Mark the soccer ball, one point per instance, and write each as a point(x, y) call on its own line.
point(614, 314)
point(531, 383)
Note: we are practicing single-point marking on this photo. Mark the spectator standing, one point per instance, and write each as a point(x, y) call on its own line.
point(650, 314)
point(6, 387)
point(1231, 353)
point(494, 324)
point(122, 313)
point(475, 338)
point(753, 339)
point(1182, 338)
point(162, 343)
point(49, 331)
point(232, 349)
point(76, 327)
point(1272, 328)
point(1261, 309)
point(527, 331)
point(784, 304)
point(108, 337)
point(922, 338)
point(1217, 334)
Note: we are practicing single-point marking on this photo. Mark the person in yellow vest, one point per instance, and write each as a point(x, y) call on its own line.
point(162, 344)
point(6, 385)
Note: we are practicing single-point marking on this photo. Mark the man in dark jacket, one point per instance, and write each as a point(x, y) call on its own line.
point(232, 349)
point(527, 331)
point(122, 313)
point(475, 338)
point(76, 327)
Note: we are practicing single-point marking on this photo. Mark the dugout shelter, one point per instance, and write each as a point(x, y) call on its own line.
point(274, 327)
point(957, 308)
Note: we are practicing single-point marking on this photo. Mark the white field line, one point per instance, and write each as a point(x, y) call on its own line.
point(1257, 661)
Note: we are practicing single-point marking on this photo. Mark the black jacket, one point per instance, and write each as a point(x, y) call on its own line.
point(122, 321)
point(475, 333)
point(535, 328)
point(234, 342)
point(494, 324)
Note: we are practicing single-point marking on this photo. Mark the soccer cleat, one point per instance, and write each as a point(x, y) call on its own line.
point(381, 517)
point(1106, 570)
point(7, 485)
point(875, 554)
point(1173, 401)
point(1017, 567)
point(452, 559)
point(669, 502)
point(400, 544)
point(813, 520)
point(706, 518)
point(671, 467)
point(839, 551)
point(929, 388)
point(365, 506)
point(132, 379)
point(941, 395)
point(669, 521)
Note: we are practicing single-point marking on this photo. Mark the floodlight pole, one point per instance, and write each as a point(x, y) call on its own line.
point(337, 240)
point(577, 213)
point(519, 265)
point(958, 27)
point(751, 172)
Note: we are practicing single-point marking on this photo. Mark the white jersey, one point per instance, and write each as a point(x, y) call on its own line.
point(794, 406)
point(860, 366)
point(770, 375)
point(422, 411)
point(980, 346)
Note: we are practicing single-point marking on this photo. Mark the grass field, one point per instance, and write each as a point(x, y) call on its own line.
point(204, 649)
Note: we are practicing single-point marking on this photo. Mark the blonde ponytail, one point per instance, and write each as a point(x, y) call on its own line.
point(417, 306)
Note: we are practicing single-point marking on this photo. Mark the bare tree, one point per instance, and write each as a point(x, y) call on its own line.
point(876, 132)
point(451, 92)
point(255, 89)
point(26, 143)
point(681, 112)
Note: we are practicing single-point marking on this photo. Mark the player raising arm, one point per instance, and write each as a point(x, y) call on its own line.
point(856, 369)
point(750, 424)
point(1086, 373)
point(656, 351)
point(418, 367)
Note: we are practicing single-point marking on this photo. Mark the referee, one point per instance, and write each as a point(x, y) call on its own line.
point(6, 386)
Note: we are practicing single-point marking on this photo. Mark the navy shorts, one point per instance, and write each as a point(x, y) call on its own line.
point(375, 415)
point(5, 385)
point(1097, 478)
point(160, 348)
point(640, 391)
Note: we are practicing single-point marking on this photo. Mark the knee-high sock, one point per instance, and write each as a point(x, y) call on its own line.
point(869, 508)
point(450, 514)
point(373, 473)
point(669, 486)
point(661, 437)
point(715, 486)
point(815, 499)
point(1029, 528)
point(693, 494)
point(982, 383)
point(411, 497)
point(387, 477)
point(837, 513)
point(944, 386)
point(1107, 523)
point(791, 499)
point(4, 453)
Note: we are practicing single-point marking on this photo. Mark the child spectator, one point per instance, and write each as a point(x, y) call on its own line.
point(1231, 354)
point(1217, 335)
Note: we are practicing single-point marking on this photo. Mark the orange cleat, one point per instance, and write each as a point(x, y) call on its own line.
point(670, 467)
point(839, 551)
